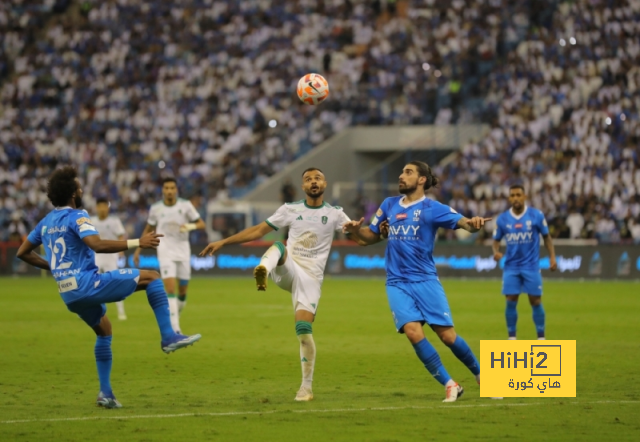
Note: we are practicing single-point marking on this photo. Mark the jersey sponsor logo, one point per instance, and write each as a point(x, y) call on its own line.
point(299, 218)
point(401, 216)
point(61, 273)
point(452, 210)
point(43, 231)
point(379, 212)
point(375, 221)
point(544, 222)
point(404, 230)
point(520, 236)
point(82, 220)
point(518, 226)
point(509, 226)
point(66, 285)
point(57, 229)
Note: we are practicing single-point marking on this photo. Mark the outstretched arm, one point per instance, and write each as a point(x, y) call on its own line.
point(472, 224)
point(364, 236)
point(250, 234)
point(26, 253)
point(99, 245)
point(548, 244)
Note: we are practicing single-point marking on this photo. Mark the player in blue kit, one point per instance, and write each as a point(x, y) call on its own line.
point(521, 227)
point(414, 291)
point(71, 241)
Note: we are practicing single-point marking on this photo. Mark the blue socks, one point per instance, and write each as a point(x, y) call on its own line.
point(538, 319)
point(461, 349)
point(431, 360)
point(157, 298)
point(511, 314)
point(104, 358)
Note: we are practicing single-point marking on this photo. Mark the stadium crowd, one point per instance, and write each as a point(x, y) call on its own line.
point(564, 113)
point(130, 90)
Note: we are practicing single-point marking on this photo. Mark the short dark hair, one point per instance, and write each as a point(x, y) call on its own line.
point(62, 185)
point(169, 179)
point(425, 171)
point(516, 186)
point(102, 200)
point(311, 169)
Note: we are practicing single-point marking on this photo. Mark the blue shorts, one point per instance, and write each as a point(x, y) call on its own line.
point(515, 282)
point(422, 302)
point(111, 286)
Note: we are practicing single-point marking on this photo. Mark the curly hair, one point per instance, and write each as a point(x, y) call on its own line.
point(425, 171)
point(62, 185)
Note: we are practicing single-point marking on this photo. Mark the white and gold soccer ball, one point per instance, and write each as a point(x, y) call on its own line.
point(313, 89)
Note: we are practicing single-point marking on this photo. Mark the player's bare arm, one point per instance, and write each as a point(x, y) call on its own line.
point(136, 255)
point(250, 234)
point(26, 253)
point(364, 236)
point(150, 240)
point(548, 244)
point(472, 224)
point(198, 225)
point(497, 255)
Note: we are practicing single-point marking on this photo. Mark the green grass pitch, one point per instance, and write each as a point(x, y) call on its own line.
point(239, 382)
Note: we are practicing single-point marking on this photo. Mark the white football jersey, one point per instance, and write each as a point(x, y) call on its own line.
point(311, 231)
point(109, 228)
point(167, 220)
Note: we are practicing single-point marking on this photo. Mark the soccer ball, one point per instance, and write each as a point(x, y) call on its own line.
point(313, 89)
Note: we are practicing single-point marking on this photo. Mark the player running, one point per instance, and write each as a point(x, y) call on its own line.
point(299, 267)
point(174, 218)
point(109, 227)
point(414, 291)
point(521, 227)
point(71, 241)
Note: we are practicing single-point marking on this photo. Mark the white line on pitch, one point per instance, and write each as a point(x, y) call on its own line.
point(335, 410)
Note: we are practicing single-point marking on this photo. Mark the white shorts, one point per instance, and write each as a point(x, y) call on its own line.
point(305, 290)
point(175, 269)
point(106, 262)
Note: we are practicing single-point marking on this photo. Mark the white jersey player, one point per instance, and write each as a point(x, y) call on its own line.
point(109, 227)
point(299, 267)
point(174, 218)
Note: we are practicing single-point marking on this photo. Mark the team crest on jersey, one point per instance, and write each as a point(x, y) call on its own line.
point(324, 220)
point(416, 215)
point(528, 224)
point(81, 221)
point(401, 216)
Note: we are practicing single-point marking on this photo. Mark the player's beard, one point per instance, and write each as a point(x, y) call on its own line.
point(406, 189)
point(78, 201)
point(314, 193)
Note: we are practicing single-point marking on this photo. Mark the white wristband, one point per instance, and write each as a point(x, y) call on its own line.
point(189, 227)
point(133, 243)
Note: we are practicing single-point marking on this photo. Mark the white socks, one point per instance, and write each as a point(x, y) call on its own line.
point(120, 307)
point(307, 358)
point(271, 257)
point(173, 311)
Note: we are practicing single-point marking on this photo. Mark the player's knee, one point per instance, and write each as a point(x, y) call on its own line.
point(414, 332)
point(448, 338)
point(535, 300)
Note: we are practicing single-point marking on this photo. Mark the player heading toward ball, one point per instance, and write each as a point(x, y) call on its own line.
point(174, 218)
point(414, 291)
point(299, 267)
point(71, 242)
point(521, 227)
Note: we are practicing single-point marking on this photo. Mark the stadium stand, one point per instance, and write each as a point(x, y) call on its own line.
point(130, 89)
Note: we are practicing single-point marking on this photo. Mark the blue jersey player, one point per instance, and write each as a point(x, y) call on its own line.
point(521, 227)
point(414, 291)
point(70, 241)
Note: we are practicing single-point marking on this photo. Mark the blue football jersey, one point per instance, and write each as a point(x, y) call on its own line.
point(72, 262)
point(522, 235)
point(412, 233)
